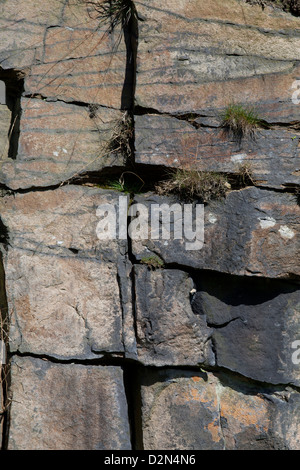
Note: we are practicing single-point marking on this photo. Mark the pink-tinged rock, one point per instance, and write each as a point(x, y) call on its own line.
point(65, 53)
point(24, 24)
point(67, 407)
point(199, 57)
point(215, 412)
point(81, 66)
point(5, 120)
point(271, 156)
point(62, 282)
point(59, 141)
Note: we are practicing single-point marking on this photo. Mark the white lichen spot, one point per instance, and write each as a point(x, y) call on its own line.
point(267, 222)
point(212, 218)
point(55, 154)
point(65, 150)
point(286, 232)
point(166, 243)
point(238, 158)
point(60, 242)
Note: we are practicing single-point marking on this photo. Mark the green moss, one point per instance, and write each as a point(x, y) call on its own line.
point(152, 261)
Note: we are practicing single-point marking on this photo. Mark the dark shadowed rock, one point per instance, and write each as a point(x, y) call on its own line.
point(168, 331)
point(256, 322)
point(272, 156)
point(251, 232)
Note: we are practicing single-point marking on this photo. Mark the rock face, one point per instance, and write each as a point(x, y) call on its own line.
point(252, 232)
point(210, 412)
point(124, 331)
point(169, 332)
point(75, 414)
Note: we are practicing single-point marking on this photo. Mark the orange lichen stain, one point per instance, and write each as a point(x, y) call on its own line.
point(246, 414)
point(196, 379)
point(214, 430)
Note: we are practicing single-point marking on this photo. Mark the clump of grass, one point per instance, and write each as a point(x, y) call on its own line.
point(132, 184)
point(194, 184)
point(152, 261)
point(245, 175)
point(121, 140)
point(240, 120)
point(114, 12)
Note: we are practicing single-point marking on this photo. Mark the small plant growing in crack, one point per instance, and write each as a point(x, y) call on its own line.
point(245, 175)
point(133, 184)
point(114, 12)
point(152, 261)
point(241, 121)
point(121, 140)
point(194, 184)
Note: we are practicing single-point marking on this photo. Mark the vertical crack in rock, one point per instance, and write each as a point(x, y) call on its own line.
point(14, 85)
point(130, 31)
point(4, 348)
point(134, 403)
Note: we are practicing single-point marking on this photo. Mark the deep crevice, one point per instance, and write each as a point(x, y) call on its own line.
point(5, 367)
point(134, 403)
point(14, 87)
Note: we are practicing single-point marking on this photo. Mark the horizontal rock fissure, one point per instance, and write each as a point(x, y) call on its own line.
point(81, 104)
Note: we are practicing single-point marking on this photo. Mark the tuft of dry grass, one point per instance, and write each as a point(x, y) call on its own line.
point(122, 136)
point(194, 184)
point(114, 12)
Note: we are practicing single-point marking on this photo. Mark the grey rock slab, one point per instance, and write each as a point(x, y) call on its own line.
point(271, 156)
point(252, 232)
point(256, 323)
point(62, 282)
point(168, 331)
point(67, 407)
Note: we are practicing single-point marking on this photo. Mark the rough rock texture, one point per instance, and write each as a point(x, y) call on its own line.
point(169, 332)
point(122, 343)
point(193, 60)
point(252, 232)
point(62, 283)
point(272, 156)
point(65, 407)
point(196, 56)
point(58, 142)
point(213, 412)
point(255, 323)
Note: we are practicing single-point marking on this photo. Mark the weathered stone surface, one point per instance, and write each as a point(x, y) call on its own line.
point(62, 282)
point(253, 232)
point(69, 56)
point(197, 57)
point(256, 322)
point(202, 411)
point(67, 407)
point(168, 332)
point(272, 156)
point(5, 120)
point(59, 141)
